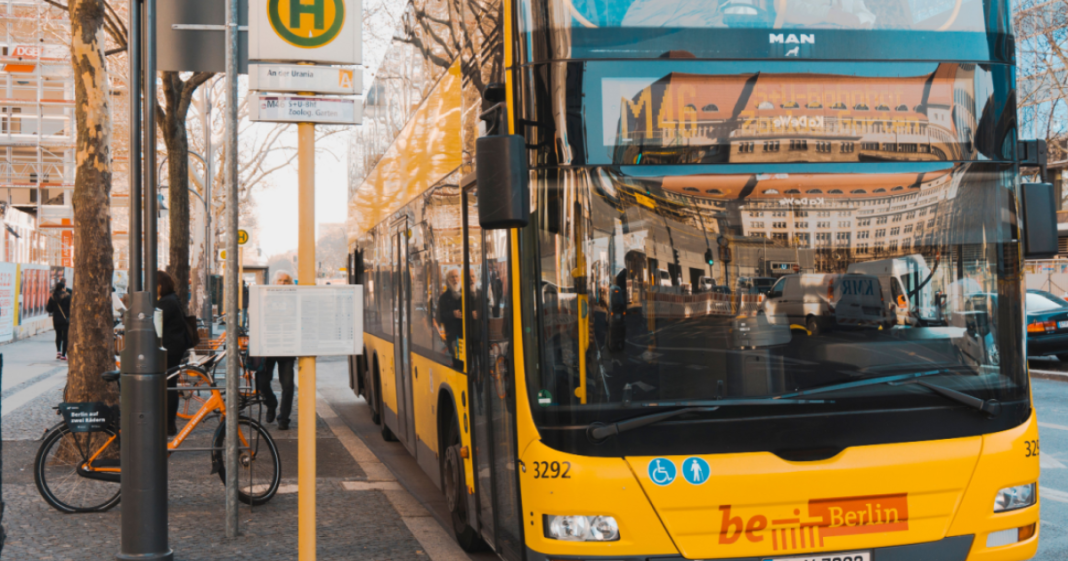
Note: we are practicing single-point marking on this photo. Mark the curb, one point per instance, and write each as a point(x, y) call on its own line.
point(1049, 375)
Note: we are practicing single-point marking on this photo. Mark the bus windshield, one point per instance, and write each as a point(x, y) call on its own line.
point(926, 15)
point(665, 288)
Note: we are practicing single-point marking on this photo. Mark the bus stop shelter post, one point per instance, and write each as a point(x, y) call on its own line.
point(233, 282)
point(306, 369)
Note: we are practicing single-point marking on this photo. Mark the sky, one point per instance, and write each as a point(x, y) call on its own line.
point(276, 202)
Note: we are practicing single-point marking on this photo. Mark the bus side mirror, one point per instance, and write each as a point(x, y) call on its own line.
point(1039, 221)
point(503, 182)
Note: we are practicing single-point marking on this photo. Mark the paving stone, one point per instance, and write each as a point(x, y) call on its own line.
point(352, 524)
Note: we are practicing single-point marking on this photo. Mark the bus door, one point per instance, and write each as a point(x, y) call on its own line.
point(488, 319)
point(402, 336)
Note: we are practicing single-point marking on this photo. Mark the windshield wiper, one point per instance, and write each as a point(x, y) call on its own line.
point(600, 431)
point(989, 406)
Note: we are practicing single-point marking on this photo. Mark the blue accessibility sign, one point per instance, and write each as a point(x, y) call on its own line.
point(662, 471)
point(695, 470)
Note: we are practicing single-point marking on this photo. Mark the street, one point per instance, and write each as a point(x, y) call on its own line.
point(1051, 402)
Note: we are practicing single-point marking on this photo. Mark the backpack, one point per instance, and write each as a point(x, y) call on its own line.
point(191, 331)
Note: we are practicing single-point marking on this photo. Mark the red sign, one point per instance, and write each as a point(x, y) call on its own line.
point(68, 248)
point(27, 51)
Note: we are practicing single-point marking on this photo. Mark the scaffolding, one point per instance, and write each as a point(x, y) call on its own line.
point(37, 121)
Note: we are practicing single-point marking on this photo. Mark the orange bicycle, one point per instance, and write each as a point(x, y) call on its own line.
point(80, 471)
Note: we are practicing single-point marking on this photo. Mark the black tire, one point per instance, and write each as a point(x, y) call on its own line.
point(812, 325)
point(260, 470)
point(455, 488)
point(58, 481)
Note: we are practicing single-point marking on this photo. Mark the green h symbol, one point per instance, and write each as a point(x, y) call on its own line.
point(317, 8)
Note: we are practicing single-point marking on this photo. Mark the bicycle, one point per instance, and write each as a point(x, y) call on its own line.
point(75, 472)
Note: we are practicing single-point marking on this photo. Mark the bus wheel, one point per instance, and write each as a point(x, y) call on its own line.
point(813, 325)
point(456, 492)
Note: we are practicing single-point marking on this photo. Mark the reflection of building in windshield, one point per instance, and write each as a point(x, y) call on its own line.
point(694, 118)
point(785, 223)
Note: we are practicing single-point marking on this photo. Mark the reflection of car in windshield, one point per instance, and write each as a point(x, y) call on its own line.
point(906, 284)
point(664, 278)
point(821, 301)
point(757, 284)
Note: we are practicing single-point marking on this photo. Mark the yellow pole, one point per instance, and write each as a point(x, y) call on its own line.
point(240, 278)
point(306, 368)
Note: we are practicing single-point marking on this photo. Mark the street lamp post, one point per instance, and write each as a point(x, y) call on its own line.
point(144, 386)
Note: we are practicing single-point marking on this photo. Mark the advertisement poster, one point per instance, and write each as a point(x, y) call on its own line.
point(7, 301)
point(33, 292)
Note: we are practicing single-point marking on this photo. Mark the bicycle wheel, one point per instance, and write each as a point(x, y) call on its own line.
point(259, 469)
point(190, 398)
point(57, 476)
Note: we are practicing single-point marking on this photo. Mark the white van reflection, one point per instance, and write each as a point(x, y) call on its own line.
point(907, 291)
point(823, 301)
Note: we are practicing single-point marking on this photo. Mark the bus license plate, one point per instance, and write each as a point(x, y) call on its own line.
point(850, 556)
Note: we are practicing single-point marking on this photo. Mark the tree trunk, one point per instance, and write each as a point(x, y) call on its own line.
point(91, 329)
point(177, 95)
point(178, 178)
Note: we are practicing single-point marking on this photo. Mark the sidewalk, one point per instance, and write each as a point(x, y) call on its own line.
point(362, 512)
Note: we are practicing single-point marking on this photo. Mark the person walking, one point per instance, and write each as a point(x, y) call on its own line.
point(285, 377)
point(176, 340)
point(59, 307)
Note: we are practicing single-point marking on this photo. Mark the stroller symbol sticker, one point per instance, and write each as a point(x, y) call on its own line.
point(662, 471)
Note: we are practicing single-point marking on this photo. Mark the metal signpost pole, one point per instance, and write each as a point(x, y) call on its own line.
point(209, 176)
point(233, 283)
point(306, 366)
point(143, 399)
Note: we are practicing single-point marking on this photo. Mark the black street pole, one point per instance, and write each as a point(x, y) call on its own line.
point(144, 386)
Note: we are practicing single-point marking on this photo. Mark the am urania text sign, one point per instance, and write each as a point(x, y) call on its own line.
point(316, 31)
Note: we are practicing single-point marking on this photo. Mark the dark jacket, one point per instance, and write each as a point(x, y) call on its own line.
point(60, 309)
point(454, 326)
point(175, 335)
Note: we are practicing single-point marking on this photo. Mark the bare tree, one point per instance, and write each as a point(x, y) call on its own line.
point(1042, 52)
point(177, 96)
point(264, 150)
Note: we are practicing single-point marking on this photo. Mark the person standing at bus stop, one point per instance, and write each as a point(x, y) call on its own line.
point(175, 339)
point(285, 377)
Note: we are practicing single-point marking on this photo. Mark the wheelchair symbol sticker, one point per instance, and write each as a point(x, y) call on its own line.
point(662, 471)
point(695, 470)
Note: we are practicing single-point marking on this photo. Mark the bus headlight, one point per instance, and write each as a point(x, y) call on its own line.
point(1013, 498)
point(581, 528)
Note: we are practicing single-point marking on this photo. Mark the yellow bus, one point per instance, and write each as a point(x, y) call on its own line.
point(616, 302)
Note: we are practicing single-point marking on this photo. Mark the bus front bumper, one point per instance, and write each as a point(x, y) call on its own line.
point(956, 548)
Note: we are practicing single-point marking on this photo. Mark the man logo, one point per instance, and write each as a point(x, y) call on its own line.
point(783, 39)
point(308, 24)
